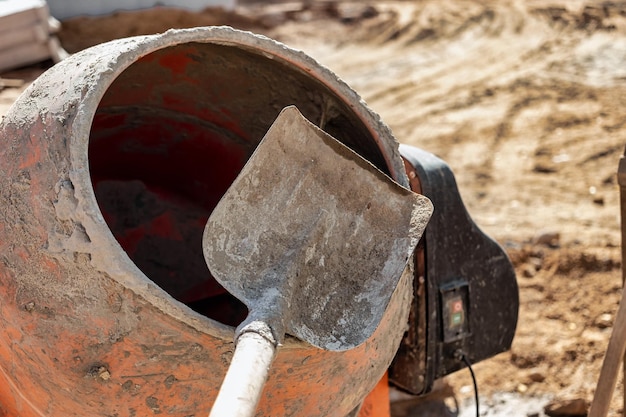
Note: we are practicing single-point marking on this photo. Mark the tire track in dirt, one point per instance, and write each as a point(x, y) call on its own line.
point(525, 102)
point(497, 89)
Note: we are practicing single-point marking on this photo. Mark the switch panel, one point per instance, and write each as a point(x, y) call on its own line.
point(454, 314)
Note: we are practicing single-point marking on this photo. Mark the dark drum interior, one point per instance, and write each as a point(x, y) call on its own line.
point(171, 134)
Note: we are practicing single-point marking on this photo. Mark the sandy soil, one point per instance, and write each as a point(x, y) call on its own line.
point(524, 99)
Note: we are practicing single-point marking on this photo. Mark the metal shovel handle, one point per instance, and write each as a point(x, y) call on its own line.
point(244, 381)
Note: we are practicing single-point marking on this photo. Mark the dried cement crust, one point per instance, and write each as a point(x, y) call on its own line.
point(78, 310)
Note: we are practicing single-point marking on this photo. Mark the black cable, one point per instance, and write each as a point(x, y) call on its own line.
point(463, 357)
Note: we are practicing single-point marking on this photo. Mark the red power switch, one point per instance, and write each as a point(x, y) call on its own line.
point(454, 308)
point(456, 312)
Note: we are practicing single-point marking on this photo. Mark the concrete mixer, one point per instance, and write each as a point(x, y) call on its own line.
point(112, 162)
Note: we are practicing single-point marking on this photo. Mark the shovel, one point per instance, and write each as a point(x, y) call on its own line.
point(313, 239)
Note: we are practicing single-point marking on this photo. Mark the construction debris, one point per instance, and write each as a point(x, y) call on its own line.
point(567, 408)
point(27, 34)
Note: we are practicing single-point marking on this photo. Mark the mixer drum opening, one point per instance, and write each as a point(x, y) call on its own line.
point(170, 135)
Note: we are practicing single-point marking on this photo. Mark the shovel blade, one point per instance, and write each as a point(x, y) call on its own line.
point(312, 237)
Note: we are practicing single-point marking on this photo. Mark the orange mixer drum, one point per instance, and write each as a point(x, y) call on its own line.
point(110, 164)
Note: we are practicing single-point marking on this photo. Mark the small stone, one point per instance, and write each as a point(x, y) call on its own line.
point(593, 336)
point(465, 389)
point(536, 262)
point(528, 271)
point(571, 408)
point(536, 376)
point(99, 371)
point(544, 168)
point(548, 238)
point(522, 388)
point(604, 321)
point(104, 374)
point(599, 200)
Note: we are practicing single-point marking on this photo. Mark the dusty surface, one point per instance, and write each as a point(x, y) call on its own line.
point(525, 100)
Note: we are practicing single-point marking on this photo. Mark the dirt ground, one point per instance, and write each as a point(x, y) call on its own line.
point(525, 101)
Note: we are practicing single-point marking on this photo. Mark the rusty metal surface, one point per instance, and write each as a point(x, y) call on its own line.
point(83, 330)
point(408, 369)
point(312, 237)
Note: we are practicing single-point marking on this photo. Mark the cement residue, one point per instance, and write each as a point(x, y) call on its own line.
point(444, 403)
point(504, 405)
point(533, 143)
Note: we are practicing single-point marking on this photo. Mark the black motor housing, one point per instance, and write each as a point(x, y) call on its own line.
point(466, 297)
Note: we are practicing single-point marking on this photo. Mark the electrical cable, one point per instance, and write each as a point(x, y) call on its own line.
point(464, 358)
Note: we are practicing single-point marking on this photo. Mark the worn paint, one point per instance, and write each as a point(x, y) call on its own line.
point(94, 335)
